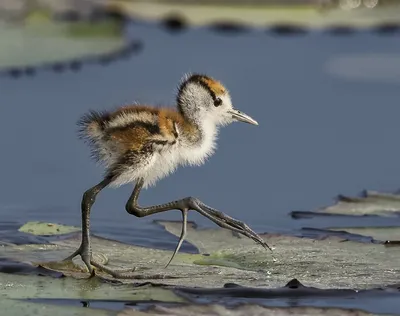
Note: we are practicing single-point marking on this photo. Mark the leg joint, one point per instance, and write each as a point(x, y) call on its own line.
point(134, 209)
point(192, 201)
point(89, 197)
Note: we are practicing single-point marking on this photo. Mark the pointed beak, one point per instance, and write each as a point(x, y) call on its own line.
point(242, 117)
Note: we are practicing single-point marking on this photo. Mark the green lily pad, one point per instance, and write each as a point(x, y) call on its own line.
point(46, 229)
point(16, 289)
point(305, 15)
point(26, 308)
point(225, 258)
point(329, 263)
point(46, 42)
point(369, 203)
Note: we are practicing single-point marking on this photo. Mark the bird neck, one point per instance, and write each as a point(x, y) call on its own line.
point(203, 128)
point(198, 141)
point(208, 131)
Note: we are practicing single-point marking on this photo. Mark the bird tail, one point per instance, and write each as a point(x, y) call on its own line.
point(91, 128)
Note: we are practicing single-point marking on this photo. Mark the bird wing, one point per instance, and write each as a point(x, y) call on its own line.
point(139, 135)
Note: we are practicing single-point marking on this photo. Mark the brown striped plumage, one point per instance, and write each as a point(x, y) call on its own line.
point(132, 126)
point(130, 136)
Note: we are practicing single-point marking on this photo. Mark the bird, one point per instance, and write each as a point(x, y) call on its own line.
point(142, 144)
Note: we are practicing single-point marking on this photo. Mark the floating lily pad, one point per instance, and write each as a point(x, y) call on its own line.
point(243, 310)
point(64, 296)
point(368, 203)
point(26, 308)
point(224, 257)
point(380, 234)
point(48, 42)
point(47, 229)
point(305, 15)
point(334, 268)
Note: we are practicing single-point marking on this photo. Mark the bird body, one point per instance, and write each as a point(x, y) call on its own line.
point(143, 144)
point(136, 142)
point(146, 142)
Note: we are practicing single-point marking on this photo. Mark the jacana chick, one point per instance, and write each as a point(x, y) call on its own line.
point(143, 144)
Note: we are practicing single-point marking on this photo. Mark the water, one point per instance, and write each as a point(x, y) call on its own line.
point(322, 131)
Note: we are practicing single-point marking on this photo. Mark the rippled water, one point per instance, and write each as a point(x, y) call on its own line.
point(327, 108)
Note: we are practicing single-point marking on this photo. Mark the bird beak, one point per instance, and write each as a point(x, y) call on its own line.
point(243, 117)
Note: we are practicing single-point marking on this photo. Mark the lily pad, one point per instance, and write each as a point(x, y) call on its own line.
point(224, 257)
point(49, 42)
point(332, 268)
point(309, 16)
point(242, 310)
point(368, 203)
point(379, 234)
point(23, 294)
point(47, 229)
point(26, 308)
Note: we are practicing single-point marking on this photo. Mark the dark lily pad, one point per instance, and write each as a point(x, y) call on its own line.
point(242, 310)
point(379, 234)
point(369, 203)
point(22, 268)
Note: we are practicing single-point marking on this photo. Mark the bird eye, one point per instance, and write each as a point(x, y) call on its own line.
point(217, 102)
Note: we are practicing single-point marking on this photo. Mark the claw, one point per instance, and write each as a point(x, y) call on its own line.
point(181, 238)
point(228, 222)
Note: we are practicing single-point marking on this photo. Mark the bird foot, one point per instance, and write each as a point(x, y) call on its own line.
point(225, 221)
point(86, 256)
point(84, 252)
point(219, 218)
point(118, 273)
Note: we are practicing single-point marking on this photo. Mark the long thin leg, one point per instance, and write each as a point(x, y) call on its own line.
point(191, 203)
point(88, 199)
point(132, 207)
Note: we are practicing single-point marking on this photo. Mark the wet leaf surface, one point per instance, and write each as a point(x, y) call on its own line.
point(229, 269)
point(378, 234)
point(64, 296)
point(242, 310)
point(332, 262)
point(369, 203)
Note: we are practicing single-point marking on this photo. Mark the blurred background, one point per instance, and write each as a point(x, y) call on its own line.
point(321, 78)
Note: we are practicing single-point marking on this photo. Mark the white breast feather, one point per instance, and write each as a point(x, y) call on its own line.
point(197, 155)
point(166, 159)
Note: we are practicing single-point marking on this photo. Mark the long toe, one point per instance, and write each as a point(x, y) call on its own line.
point(225, 221)
point(87, 258)
point(120, 273)
point(73, 255)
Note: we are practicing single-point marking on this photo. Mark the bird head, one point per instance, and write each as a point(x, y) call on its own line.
point(201, 98)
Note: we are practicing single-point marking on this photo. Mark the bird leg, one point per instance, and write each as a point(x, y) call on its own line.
point(132, 207)
point(186, 204)
point(84, 249)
